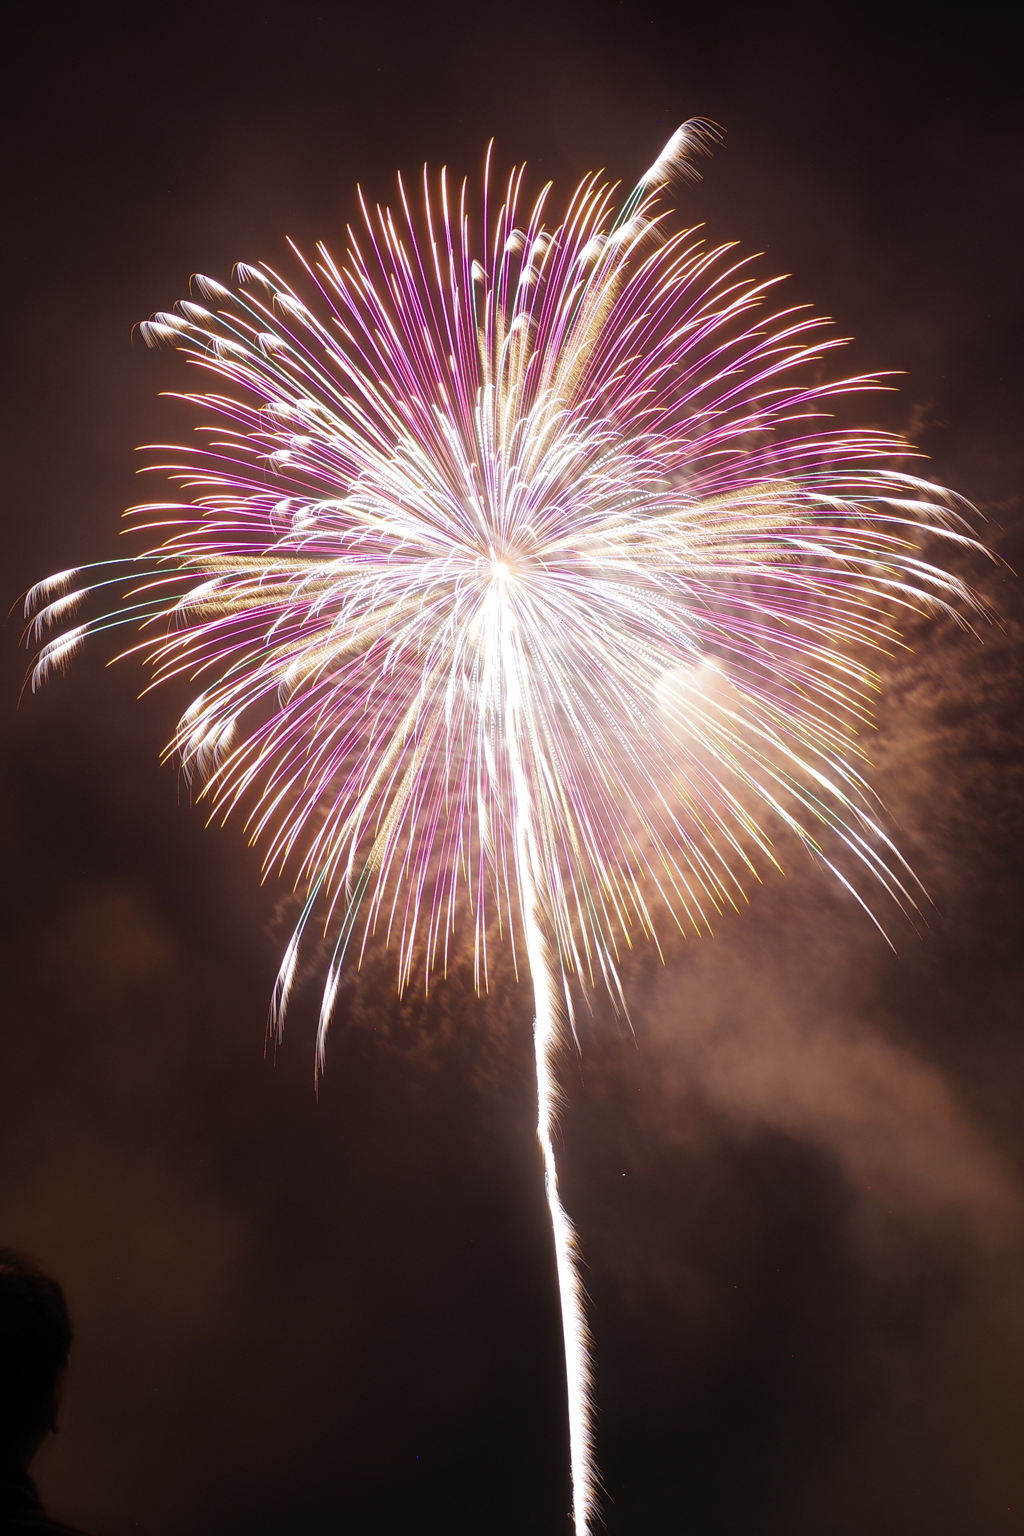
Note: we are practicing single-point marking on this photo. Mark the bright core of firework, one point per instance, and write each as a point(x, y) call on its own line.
point(523, 572)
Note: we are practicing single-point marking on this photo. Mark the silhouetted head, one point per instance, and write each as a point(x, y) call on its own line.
point(35, 1340)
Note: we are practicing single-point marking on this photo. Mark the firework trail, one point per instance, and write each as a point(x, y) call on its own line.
point(523, 575)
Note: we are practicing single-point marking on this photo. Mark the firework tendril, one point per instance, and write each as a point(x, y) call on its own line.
point(526, 583)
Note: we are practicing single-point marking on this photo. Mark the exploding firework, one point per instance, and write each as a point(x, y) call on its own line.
point(525, 582)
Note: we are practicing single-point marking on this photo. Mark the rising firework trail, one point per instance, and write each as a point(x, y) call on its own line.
point(525, 581)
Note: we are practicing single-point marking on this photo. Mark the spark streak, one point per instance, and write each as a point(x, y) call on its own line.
point(575, 1333)
point(520, 577)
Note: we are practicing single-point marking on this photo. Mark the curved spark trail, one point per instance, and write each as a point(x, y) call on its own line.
point(575, 1335)
point(524, 582)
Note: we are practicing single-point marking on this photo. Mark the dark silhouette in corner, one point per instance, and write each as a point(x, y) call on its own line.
point(35, 1341)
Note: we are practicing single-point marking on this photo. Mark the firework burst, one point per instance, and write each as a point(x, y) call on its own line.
point(523, 574)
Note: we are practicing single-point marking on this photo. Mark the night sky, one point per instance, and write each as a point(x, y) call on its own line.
point(799, 1183)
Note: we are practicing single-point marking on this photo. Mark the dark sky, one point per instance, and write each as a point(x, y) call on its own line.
point(800, 1188)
